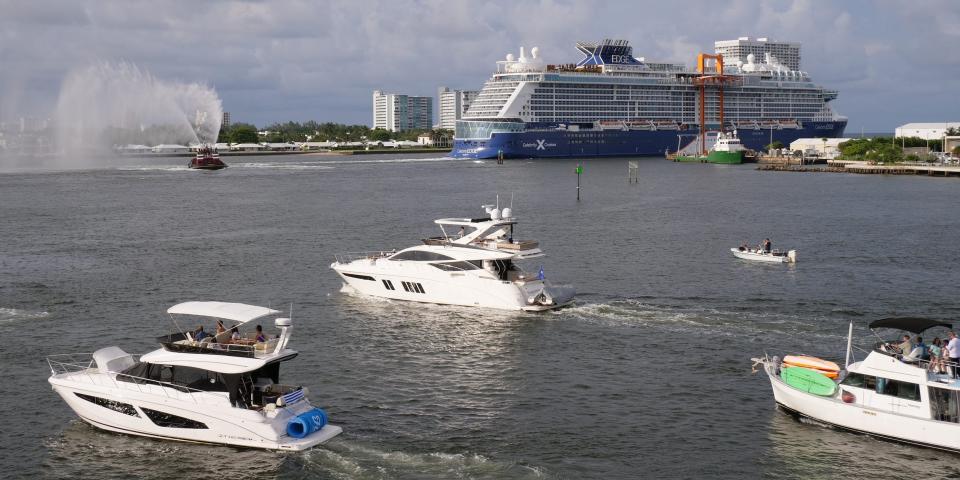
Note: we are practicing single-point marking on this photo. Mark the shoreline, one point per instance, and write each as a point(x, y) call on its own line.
point(865, 168)
point(387, 151)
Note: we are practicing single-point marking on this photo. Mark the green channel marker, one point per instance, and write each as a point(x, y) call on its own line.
point(809, 381)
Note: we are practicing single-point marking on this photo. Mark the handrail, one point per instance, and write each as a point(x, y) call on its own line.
point(347, 257)
point(58, 367)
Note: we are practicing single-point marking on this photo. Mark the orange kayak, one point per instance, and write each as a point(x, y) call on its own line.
point(813, 363)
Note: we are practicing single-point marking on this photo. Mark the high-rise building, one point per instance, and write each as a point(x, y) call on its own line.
point(226, 121)
point(786, 53)
point(452, 104)
point(397, 113)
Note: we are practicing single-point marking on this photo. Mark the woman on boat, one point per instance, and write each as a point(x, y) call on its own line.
point(936, 363)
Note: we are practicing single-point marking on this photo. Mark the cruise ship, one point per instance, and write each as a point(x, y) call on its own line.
point(614, 104)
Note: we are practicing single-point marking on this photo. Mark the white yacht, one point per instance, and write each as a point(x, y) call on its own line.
point(221, 388)
point(493, 232)
point(887, 395)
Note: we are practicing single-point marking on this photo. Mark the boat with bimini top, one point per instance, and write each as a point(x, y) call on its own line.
point(889, 394)
point(221, 388)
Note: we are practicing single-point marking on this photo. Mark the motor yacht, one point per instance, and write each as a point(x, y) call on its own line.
point(219, 388)
point(450, 274)
point(888, 394)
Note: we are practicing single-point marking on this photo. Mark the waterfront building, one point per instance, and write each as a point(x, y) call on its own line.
point(926, 131)
point(819, 147)
point(612, 103)
point(398, 113)
point(452, 104)
point(225, 124)
point(734, 51)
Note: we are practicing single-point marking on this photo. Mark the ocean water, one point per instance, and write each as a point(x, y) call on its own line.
point(646, 376)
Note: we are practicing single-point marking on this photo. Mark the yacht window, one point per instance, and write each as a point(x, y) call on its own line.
point(943, 405)
point(896, 388)
point(455, 266)
point(171, 421)
point(361, 277)
point(124, 408)
point(858, 380)
point(189, 377)
point(388, 285)
point(420, 256)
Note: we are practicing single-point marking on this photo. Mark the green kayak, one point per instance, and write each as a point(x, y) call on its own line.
point(809, 381)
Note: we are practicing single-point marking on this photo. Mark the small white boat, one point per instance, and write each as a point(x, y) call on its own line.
point(776, 256)
point(214, 389)
point(885, 395)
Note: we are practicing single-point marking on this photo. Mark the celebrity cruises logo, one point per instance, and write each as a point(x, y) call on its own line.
point(540, 145)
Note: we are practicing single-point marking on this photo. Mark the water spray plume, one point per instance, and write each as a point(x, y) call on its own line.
point(110, 104)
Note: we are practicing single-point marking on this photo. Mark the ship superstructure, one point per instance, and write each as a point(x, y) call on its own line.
point(612, 103)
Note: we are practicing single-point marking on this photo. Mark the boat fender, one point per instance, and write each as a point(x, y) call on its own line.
point(306, 423)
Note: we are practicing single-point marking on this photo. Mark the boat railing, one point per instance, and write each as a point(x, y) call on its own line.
point(890, 349)
point(84, 366)
point(344, 258)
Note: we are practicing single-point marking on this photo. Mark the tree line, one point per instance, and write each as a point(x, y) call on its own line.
point(311, 131)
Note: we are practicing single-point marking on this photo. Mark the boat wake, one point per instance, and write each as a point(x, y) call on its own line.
point(352, 460)
point(10, 315)
point(633, 312)
point(284, 166)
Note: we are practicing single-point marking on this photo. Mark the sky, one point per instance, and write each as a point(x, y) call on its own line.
point(892, 62)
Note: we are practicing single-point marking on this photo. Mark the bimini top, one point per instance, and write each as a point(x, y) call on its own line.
point(910, 324)
point(238, 312)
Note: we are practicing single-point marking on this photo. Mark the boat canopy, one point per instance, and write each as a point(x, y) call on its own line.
point(910, 324)
point(238, 312)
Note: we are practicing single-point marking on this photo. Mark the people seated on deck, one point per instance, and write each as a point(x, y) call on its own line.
point(220, 327)
point(199, 334)
point(918, 354)
point(905, 347)
point(235, 335)
point(936, 362)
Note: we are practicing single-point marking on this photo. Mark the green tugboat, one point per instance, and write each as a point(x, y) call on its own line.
point(727, 149)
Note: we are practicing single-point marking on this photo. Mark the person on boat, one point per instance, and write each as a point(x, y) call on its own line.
point(463, 230)
point(260, 336)
point(953, 348)
point(905, 346)
point(199, 334)
point(744, 247)
point(919, 352)
point(935, 354)
point(235, 335)
point(767, 245)
point(220, 327)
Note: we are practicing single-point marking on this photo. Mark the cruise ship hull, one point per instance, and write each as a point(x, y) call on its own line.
point(558, 143)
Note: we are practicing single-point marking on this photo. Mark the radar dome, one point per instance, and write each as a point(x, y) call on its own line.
point(751, 58)
point(495, 214)
point(535, 52)
point(510, 57)
point(507, 212)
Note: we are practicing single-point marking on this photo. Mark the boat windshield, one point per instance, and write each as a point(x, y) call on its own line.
point(420, 256)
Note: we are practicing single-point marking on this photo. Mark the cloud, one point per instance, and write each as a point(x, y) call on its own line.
point(294, 59)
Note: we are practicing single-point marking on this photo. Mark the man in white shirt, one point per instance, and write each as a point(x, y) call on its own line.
point(953, 349)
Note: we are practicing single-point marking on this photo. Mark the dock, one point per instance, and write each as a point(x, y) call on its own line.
point(860, 167)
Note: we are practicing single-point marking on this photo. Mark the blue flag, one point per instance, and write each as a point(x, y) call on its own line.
point(540, 273)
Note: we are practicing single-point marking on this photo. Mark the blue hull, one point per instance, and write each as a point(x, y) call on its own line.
point(619, 143)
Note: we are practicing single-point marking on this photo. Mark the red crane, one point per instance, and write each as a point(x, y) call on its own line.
point(718, 79)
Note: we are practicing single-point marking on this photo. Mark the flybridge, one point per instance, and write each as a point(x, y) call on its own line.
point(616, 52)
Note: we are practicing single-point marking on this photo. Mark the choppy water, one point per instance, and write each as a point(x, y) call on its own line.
point(648, 375)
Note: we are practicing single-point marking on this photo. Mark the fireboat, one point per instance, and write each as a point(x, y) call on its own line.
point(207, 159)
